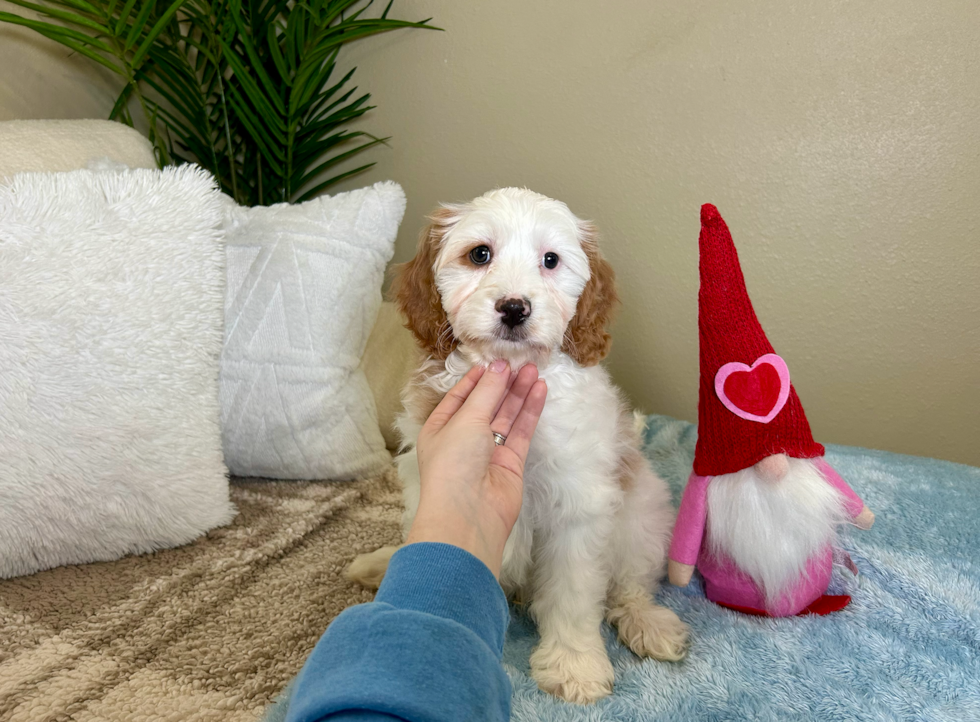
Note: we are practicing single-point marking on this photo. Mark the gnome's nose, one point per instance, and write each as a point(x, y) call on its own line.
point(773, 468)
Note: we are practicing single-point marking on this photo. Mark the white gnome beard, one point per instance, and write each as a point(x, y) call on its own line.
point(769, 529)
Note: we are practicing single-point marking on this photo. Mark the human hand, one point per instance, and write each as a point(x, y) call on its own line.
point(471, 488)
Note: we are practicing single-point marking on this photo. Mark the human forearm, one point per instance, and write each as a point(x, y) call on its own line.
point(437, 624)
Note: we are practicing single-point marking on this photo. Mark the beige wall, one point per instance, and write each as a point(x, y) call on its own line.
point(840, 141)
point(41, 79)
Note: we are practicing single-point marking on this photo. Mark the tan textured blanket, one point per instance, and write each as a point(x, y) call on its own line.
point(209, 631)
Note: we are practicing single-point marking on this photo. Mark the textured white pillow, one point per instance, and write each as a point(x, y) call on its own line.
point(304, 287)
point(111, 289)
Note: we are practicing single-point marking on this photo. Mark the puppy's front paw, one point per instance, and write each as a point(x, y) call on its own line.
point(579, 677)
point(650, 630)
point(369, 569)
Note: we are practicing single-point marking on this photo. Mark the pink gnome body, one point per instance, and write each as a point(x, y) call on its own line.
point(726, 584)
point(760, 511)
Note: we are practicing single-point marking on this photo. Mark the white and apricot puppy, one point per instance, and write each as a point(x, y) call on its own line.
point(516, 275)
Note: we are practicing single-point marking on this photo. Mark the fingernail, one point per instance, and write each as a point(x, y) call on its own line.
point(498, 366)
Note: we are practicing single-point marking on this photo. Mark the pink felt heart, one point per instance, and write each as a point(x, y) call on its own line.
point(757, 392)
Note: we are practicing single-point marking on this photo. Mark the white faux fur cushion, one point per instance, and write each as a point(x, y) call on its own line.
point(304, 287)
point(111, 288)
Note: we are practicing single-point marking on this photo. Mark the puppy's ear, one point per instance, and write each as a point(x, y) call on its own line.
point(414, 290)
point(586, 338)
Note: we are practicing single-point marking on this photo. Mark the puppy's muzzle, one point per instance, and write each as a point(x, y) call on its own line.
point(513, 311)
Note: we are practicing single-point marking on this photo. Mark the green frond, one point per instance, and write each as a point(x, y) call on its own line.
point(72, 18)
point(243, 87)
point(320, 187)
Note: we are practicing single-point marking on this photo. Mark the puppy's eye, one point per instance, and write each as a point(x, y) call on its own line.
point(550, 260)
point(480, 255)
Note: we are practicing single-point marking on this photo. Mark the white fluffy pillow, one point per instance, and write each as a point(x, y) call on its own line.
point(304, 287)
point(111, 289)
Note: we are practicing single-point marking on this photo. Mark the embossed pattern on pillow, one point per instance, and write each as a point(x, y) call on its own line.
point(304, 288)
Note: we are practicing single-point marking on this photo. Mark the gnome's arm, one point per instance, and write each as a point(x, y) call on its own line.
point(861, 515)
point(689, 530)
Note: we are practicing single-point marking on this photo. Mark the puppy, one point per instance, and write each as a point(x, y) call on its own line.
point(515, 275)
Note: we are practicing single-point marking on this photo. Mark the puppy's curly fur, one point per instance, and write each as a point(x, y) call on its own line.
point(414, 289)
point(592, 536)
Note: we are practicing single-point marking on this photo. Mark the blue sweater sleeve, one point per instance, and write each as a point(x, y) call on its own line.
point(427, 649)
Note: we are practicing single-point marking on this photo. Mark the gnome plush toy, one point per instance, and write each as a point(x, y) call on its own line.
point(761, 509)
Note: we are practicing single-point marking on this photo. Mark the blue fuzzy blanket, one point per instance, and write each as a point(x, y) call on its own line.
point(907, 647)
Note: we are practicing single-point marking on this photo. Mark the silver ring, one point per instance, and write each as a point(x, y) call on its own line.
point(499, 439)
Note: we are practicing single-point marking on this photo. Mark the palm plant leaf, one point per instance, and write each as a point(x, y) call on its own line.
point(123, 18)
point(150, 36)
point(72, 17)
point(329, 163)
point(315, 190)
point(243, 87)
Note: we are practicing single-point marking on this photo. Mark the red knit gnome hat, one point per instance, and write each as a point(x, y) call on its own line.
point(747, 407)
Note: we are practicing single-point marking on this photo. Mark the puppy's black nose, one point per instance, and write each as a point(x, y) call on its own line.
point(513, 311)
